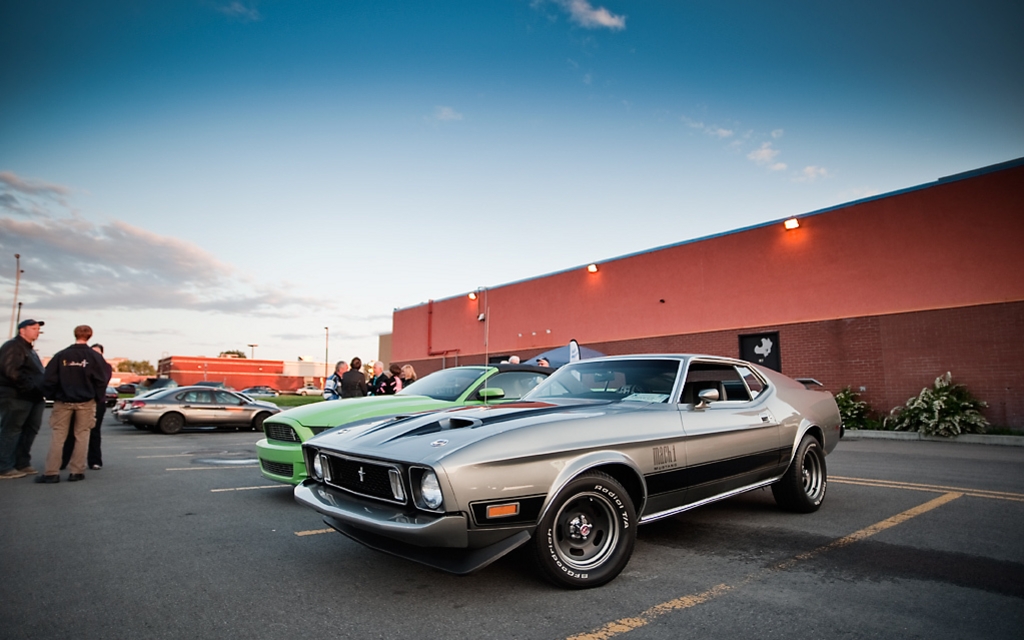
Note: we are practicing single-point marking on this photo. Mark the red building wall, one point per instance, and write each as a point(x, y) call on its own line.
point(238, 373)
point(894, 291)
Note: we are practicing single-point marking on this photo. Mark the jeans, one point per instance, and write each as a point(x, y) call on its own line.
point(19, 425)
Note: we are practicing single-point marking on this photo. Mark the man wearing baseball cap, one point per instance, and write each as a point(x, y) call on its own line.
point(21, 400)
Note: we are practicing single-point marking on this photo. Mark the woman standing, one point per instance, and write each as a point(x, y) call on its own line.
point(353, 382)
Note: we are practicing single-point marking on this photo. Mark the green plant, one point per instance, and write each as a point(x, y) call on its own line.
point(945, 409)
point(855, 413)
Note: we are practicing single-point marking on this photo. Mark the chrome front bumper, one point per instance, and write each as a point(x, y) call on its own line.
point(397, 523)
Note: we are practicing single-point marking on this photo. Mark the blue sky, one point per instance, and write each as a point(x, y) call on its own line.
point(200, 175)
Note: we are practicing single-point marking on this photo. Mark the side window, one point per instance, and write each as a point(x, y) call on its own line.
point(227, 398)
point(721, 377)
point(515, 384)
point(190, 396)
point(754, 383)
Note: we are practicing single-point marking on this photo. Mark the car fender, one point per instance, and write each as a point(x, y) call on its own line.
point(805, 426)
point(592, 460)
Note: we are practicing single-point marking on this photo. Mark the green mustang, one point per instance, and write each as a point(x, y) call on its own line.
point(280, 452)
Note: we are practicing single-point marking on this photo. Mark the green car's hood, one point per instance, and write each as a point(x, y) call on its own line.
point(332, 413)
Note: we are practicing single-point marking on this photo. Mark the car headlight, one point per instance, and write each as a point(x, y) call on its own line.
point(430, 490)
point(318, 467)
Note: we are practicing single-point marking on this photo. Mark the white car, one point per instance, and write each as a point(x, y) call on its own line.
point(309, 390)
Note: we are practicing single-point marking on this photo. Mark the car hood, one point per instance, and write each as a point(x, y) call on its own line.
point(332, 413)
point(429, 437)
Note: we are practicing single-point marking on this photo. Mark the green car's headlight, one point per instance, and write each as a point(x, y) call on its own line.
point(430, 490)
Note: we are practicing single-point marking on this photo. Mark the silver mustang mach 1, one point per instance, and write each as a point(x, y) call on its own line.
point(599, 447)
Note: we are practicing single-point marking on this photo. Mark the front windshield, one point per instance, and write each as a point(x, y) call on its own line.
point(447, 384)
point(618, 380)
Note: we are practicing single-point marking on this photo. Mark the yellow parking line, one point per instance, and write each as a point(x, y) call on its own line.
point(625, 625)
point(265, 486)
point(314, 532)
point(935, 488)
point(229, 466)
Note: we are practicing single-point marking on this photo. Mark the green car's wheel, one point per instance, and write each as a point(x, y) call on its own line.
point(586, 537)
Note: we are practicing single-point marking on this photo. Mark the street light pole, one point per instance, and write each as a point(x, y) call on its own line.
point(17, 281)
point(253, 347)
point(327, 351)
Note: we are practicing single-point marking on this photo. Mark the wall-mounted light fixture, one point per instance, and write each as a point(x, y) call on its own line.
point(791, 224)
point(472, 295)
point(592, 268)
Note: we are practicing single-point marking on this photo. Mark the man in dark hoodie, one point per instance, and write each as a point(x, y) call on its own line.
point(21, 400)
point(74, 378)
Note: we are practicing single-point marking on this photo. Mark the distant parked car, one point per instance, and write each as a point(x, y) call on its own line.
point(126, 388)
point(309, 390)
point(261, 391)
point(171, 410)
point(111, 396)
point(213, 385)
point(152, 384)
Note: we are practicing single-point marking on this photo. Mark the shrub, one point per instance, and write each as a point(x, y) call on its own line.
point(946, 409)
point(855, 413)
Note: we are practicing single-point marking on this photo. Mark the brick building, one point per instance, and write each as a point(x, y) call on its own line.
point(883, 294)
point(241, 373)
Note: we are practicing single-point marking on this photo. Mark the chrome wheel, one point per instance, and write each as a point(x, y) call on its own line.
point(586, 531)
point(587, 534)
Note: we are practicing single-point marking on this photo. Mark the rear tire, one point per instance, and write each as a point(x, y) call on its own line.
point(171, 423)
point(587, 535)
point(802, 488)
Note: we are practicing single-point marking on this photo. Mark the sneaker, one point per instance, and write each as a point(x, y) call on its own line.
point(11, 474)
point(95, 467)
point(48, 479)
point(73, 477)
point(28, 471)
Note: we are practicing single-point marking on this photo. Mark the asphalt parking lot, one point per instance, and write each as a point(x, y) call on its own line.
point(180, 536)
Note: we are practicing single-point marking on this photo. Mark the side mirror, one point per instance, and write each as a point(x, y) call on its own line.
point(491, 393)
point(706, 396)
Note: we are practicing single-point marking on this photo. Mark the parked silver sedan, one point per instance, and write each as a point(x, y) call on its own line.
point(171, 410)
point(597, 448)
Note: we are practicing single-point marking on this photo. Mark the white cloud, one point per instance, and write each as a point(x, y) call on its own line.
point(812, 173)
point(587, 78)
point(240, 11)
point(765, 155)
point(77, 264)
point(587, 16)
point(446, 114)
point(711, 130)
point(777, 133)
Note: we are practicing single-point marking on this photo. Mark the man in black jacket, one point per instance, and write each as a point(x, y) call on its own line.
point(74, 378)
point(21, 400)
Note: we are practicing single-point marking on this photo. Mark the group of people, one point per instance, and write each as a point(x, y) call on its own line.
point(349, 381)
point(76, 380)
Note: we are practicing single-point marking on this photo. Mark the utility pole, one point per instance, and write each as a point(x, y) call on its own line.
point(253, 347)
point(17, 282)
point(327, 351)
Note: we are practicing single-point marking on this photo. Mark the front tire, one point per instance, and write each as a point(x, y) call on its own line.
point(587, 535)
point(257, 422)
point(171, 423)
point(802, 488)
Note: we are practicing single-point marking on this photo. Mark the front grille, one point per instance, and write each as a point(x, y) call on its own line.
point(280, 432)
point(362, 477)
point(277, 468)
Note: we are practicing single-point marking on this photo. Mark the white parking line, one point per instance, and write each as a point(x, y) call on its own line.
point(238, 466)
point(266, 486)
